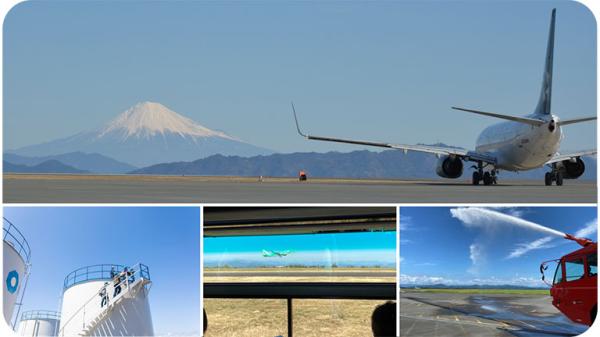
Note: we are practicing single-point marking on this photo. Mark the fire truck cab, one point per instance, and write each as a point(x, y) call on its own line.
point(574, 287)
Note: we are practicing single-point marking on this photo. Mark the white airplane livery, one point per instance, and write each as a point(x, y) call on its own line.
point(521, 143)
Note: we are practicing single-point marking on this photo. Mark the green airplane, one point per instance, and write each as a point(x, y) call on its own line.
point(272, 253)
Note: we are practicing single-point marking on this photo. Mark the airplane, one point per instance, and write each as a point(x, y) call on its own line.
point(273, 253)
point(522, 143)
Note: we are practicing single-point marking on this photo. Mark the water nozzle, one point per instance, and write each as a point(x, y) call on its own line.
point(581, 241)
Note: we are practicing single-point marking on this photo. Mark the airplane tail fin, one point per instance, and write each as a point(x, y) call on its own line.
point(543, 106)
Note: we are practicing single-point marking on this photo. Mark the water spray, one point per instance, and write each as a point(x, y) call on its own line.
point(474, 215)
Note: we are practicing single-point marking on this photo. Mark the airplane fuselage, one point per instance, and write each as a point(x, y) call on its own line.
point(518, 146)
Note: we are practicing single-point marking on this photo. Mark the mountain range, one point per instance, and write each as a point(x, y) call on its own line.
point(145, 134)
point(87, 162)
point(48, 166)
point(390, 164)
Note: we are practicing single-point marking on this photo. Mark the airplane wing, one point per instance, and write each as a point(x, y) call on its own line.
point(560, 157)
point(437, 150)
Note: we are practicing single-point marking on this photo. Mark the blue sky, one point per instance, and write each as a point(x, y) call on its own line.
point(383, 71)
point(467, 246)
point(166, 239)
point(376, 248)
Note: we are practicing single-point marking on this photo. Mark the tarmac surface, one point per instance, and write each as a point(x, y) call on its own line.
point(36, 188)
point(448, 314)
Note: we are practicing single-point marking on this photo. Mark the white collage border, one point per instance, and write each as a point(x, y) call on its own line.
point(593, 5)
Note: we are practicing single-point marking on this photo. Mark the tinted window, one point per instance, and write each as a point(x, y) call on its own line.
point(558, 275)
point(339, 257)
point(592, 264)
point(574, 270)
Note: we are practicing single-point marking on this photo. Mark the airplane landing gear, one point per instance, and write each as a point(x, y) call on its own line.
point(553, 176)
point(488, 177)
point(476, 178)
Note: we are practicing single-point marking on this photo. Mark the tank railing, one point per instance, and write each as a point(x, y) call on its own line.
point(102, 300)
point(91, 273)
point(40, 314)
point(14, 236)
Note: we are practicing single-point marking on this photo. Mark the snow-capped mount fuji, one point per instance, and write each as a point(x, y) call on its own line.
point(147, 119)
point(148, 133)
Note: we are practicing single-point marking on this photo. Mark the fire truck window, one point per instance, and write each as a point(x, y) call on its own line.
point(558, 275)
point(574, 270)
point(593, 264)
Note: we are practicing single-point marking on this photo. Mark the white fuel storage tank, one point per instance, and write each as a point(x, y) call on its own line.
point(107, 300)
point(39, 323)
point(16, 268)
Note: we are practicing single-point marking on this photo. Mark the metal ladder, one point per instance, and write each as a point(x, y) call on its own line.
point(129, 290)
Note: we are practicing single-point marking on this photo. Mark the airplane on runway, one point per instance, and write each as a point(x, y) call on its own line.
point(522, 143)
point(273, 253)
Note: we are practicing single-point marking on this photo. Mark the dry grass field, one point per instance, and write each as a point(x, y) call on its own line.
point(267, 317)
point(312, 317)
point(299, 275)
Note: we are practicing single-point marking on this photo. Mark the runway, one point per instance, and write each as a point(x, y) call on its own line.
point(448, 314)
point(34, 188)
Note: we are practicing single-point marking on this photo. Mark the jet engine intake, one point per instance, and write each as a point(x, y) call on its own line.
point(571, 169)
point(449, 167)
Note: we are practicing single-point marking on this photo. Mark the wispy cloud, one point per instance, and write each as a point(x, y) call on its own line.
point(478, 257)
point(523, 248)
point(405, 222)
point(588, 229)
point(425, 280)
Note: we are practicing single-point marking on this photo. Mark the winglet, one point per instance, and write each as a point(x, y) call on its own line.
point(296, 119)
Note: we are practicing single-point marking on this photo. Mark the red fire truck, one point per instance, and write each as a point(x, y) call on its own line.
point(575, 284)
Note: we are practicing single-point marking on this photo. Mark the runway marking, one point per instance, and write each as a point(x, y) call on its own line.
point(447, 321)
point(411, 327)
point(529, 325)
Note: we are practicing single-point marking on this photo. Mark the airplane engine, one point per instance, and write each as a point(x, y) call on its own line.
point(449, 167)
point(571, 169)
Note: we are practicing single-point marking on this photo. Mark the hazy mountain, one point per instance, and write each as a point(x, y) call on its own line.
point(146, 134)
point(49, 166)
point(92, 162)
point(274, 263)
point(357, 164)
point(468, 286)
